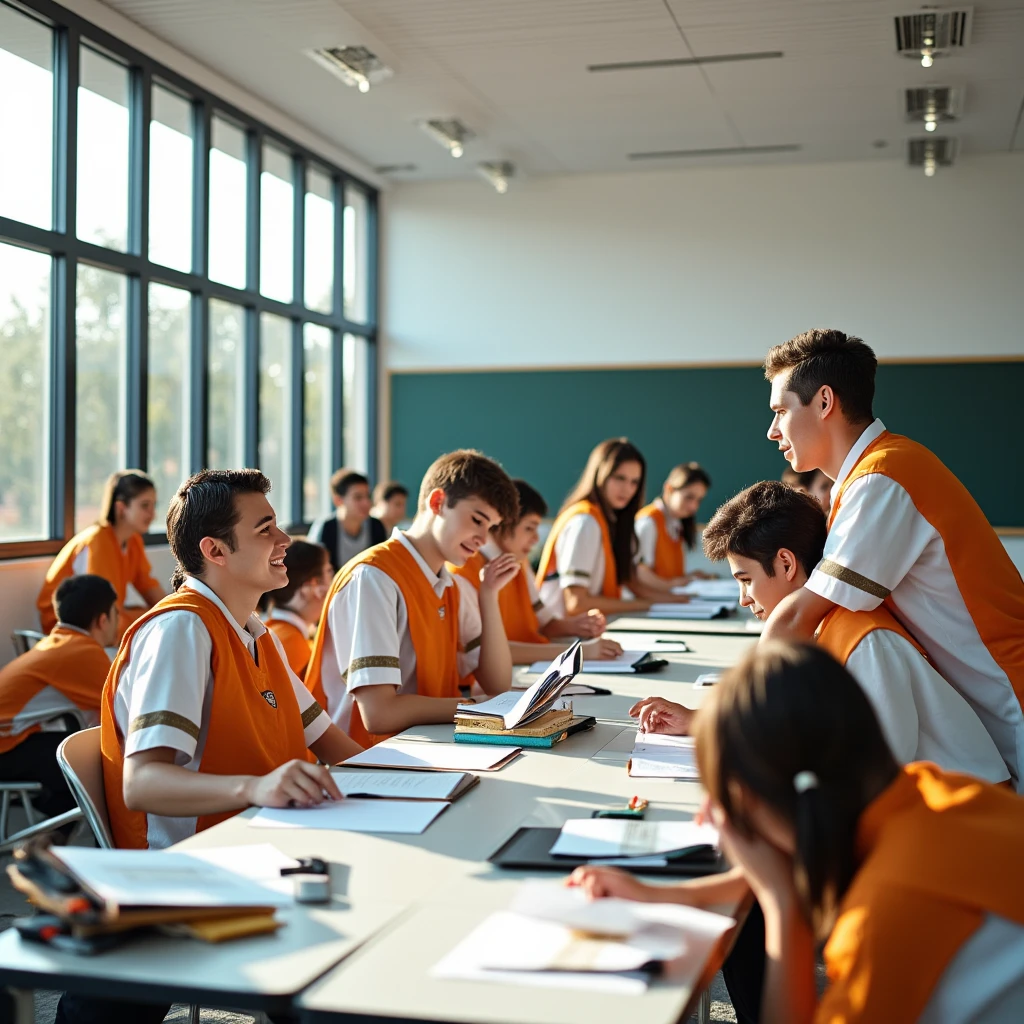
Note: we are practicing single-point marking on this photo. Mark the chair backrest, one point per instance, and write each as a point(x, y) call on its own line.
point(80, 761)
point(25, 639)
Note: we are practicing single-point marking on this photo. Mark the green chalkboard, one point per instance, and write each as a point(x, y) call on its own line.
point(542, 424)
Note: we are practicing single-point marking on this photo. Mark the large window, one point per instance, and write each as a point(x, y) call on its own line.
point(180, 286)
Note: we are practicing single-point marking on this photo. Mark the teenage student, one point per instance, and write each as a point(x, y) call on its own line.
point(908, 873)
point(531, 628)
point(667, 527)
point(396, 641)
point(814, 483)
point(390, 501)
point(62, 675)
point(902, 529)
point(351, 528)
point(589, 555)
point(295, 609)
point(112, 548)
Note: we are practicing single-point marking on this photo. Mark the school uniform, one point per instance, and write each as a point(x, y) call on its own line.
point(904, 530)
point(931, 927)
point(578, 553)
point(340, 544)
point(391, 621)
point(220, 694)
point(660, 544)
point(293, 632)
point(96, 550)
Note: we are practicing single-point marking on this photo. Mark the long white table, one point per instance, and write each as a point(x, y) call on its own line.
point(740, 624)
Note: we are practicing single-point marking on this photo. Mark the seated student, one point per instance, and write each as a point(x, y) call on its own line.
point(389, 504)
point(773, 537)
point(903, 529)
point(668, 526)
point(295, 610)
point(395, 640)
point(63, 673)
point(909, 873)
point(814, 483)
point(112, 548)
point(530, 627)
point(589, 554)
point(351, 529)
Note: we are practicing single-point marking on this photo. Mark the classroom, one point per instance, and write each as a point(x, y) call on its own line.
point(509, 511)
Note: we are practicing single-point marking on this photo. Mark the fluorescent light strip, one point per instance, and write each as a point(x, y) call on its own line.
point(727, 151)
point(683, 62)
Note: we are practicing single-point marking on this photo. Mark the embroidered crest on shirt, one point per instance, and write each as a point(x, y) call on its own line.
point(440, 611)
point(268, 696)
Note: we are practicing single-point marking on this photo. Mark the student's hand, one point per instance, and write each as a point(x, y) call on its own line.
point(497, 572)
point(601, 882)
point(768, 870)
point(294, 784)
point(601, 650)
point(659, 715)
point(589, 624)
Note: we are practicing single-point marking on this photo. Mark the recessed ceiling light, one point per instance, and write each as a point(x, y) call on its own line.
point(448, 132)
point(354, 65)
point(497, 174)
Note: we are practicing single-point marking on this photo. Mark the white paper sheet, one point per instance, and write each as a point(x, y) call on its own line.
point(711, 590)
point(618, 837)
point(398, 785)
point(692, 610)
point(438, 756)
point(401, 817)
point(658, 643)
point(620, 666)
point(659, 756)
point(261, 862)
point(707, 679)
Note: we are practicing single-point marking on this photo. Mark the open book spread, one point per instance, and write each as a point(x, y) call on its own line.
point(657, 756)
point(517, 708)
point(695, 610)
point(711, 590)
point(595, 838)
point(404, 785)
point(424, 755)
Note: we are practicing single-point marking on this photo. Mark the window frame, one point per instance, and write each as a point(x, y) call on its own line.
point(70, 32)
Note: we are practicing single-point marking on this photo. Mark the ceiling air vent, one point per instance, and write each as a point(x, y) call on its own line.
point(932, 105)
point(927, 34)
point(396, 168)
point(931, 153)
point(354, 65)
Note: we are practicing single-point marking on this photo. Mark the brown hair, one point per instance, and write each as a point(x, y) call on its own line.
point(386, 491)
point(470, 474)
point(681, 476)
point(124, 485)
point(826, 357)
point(204, 506)
point(603, 461)
point(531, 503)
point(762, 520)
point(343, 479)
point(304, 561)
point(783, 710)
point(791, 478)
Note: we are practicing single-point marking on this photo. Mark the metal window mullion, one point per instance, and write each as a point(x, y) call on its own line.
point(251, 358)
point(337, 371)
point(298, 423)
point(202, 129)
point(337, 349)
point(199, 341)
point(372, 286)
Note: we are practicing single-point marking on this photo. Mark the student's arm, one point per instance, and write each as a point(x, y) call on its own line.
point(655, 594)
point(653, 583)
point(589, 624)
point(579, 600)
point(143, 580)
point(383, 709)
point(593, 650)
point(334, 746)
point(713, 890)
point(152, 594)
point(796, 616)
point(494, 669)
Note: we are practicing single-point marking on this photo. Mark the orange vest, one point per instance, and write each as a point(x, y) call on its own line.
point(842, 630)
point(297, 645)
point(518, 614)
point(245, 733)
point(433, 629)
point(669, 555)
point(937, 851)
point(105, 559)
point(988, 581)
point(66, 660)
point(549, 562)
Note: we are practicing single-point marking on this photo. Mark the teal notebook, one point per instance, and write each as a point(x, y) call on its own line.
point(503, 738)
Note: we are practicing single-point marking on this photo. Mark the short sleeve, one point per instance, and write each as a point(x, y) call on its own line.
point(470, 627)
point(577, 550)
point(363, 618)
point(875, 539)
point(647, 539)
point(314, 718)
point(163, 687)
point(543, 612)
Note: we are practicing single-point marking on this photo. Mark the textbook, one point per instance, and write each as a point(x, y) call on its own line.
point(558, 718)
point(546, 731)
point(711, 590)
point(692, 610)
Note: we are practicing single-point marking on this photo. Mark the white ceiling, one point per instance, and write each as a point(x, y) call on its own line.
point(515, 71)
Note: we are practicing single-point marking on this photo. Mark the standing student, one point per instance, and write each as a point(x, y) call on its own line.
point(396, 641)
point(667, 528)
point(61, 675)
point(814, 483)
point(351, 529)
point(389, 504)
point(531, 628)
point(112, 548)
point(902, 529)
point(295, 610)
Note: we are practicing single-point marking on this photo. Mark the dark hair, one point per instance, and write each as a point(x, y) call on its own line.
point(681, 476)
point(304, 561)
point(530, 504)
point(786, 709)
point(81, 600)
point(603, 461)
point(762, 520)
point(791, 478)
point(825, 357)
point(344, 479)
point(204, 506)
point(469, 474)
point(124, 485)
point(386, 491)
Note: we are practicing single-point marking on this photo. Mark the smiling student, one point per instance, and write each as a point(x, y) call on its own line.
point(351, 528)
point(112, 547)
point(396, 641)
point(902, 529)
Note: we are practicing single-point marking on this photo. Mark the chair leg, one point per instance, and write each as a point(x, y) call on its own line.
point(193, 1014)
point(704, 1007)
point(31, 814)
point(5, 810)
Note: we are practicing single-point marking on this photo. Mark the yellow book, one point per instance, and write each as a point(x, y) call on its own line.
point(556, 720)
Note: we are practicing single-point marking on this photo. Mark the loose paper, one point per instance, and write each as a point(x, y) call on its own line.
point(660, 756)
point(711, 590)
point(401, 817)
point(707, 679)
point(445, 757)
point(399, 785)
point(695, 610)
point(618, 837)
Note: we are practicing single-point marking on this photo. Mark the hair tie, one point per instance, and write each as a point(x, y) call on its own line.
point(804, 781)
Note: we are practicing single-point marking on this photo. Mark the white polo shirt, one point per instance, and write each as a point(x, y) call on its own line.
point(880, 545)
point(367, 625)
point(646, 530)
point(579, 555)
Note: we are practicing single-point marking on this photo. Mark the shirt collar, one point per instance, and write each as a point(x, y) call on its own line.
point(253, 628)
point(68, 628)
point(439, 581)
point(287, 615)
point(873, 431)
